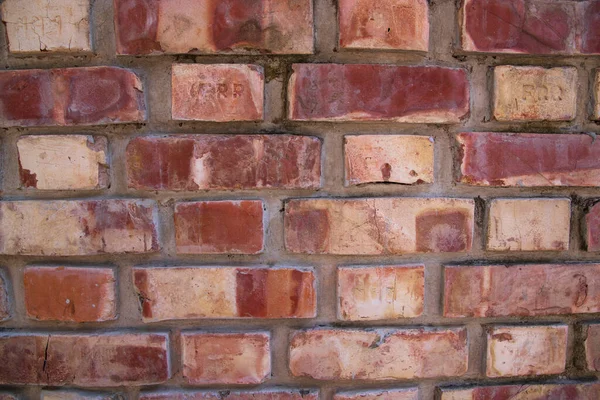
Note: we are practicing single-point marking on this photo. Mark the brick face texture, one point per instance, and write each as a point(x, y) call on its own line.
point(299, 200)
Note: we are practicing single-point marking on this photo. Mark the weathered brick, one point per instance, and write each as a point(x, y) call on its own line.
point(596, 93)
point(592, 223)
point(378, 225)
point(569, 391)
point(327, 354)
point(198, 162)
point(526, 350)
point(523, 290)
point(592, 346)
point(5, 304)
point(385, 24)
point(47, 26)
point(223, 26)
point(77, 395)
point(217, 92)
point(70, 294)
point(84, 360)
point(77, 227)
point(218, 227)
point(225, 292)
point(63, 162)
point(535, 93)
point(261, 395)
point(70, 96)
point(529, 224)
point(392, 394)
point(388, 158)
point(373, 92)
point(6, 396)
point(228, 358)
point(529, 159)
point(372, 293)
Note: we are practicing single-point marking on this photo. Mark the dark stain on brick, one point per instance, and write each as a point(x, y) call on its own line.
point(251, 292)
point(26, 97)
point(386, 172)
point(591, 28)
point(140, 279)
point(235, 24)
point(443, 231)
point(502, 337)
point(137, 26)
point(141, 363)
point(306, 230)
point(28, 179)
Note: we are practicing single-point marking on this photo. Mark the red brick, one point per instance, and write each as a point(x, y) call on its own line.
point(77, 227)
point(522, 290)
point(590, 25)
point(228, 358)
point(70, 96)
point(225, 292)
point(214, 26)
point(217, 92)
point(378, 225)
point(385, 24)
point(592, 222)
point(84, 360)
point(526, 350)
point(592, 347)
point(585, 391)
point(262, 395)
point(5, 306)
point(372, 92)
point(326, 354)
point(529, 159)
point(218, 227)
point(70, 294)
point(199, 162)
point(392, 394)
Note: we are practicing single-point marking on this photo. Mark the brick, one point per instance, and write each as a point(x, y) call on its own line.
point(535, 93)
point(232, 359)
point(224, 162)
point(372, 293)
point(392, 394)
point(590, 26)
point(72, 395)
point(592, 346)
point(228, 395)
point(63, 162)
point(36, 26)
point(327, 354)
point(592, 224)
point(529, 159)
point(526, 350)
point(97, 360)
point(596, 93)
point(529, 224)
point(70, 294)
point(378, 225)
point(521, 290)
point(217, 92)
point(587, 391)
point(225, 292)
point(5, 305)
point(219, 227)
point(373, 92)
point(6, 396)
point(223, 26)
point(77, 227)
point(386, 24)
point(388, 158)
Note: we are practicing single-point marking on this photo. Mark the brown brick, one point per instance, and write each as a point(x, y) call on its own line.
point(586, 391)
point(63, 162)
point(228, 358)
point(378, 225)
point(217, 92)
point(529, 159)
point(372, 293)
point(373, 92)
point(522, 290)
point(529, 224)
point(70, 294)
point(388, 158)
point(392, 394)
point(223, 26)
point(327, 354)
point(77, 395)
point(218, 227)
point(84, 360)
point(535, 93)
point(592, 346)
point(5, 304)
point(70, 96)
point(199, 162)
point(385, 24)
point(596, 94)
point(225, 292)
point(77, 227)
point(257, 395)
point(526, 350)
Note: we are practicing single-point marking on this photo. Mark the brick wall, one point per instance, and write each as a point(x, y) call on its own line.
point(300, 200)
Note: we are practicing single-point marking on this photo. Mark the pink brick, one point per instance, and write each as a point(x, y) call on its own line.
point(584, 391)
point(257, 395)
point(228, 358)
point(592, 223)
point(373, 92)
point(217, 92)
point(198, 162)
point(85, 360)
point(327, 354)
point(592, 346)
point(223, 26)
point(70, 96)
point(392, 394)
